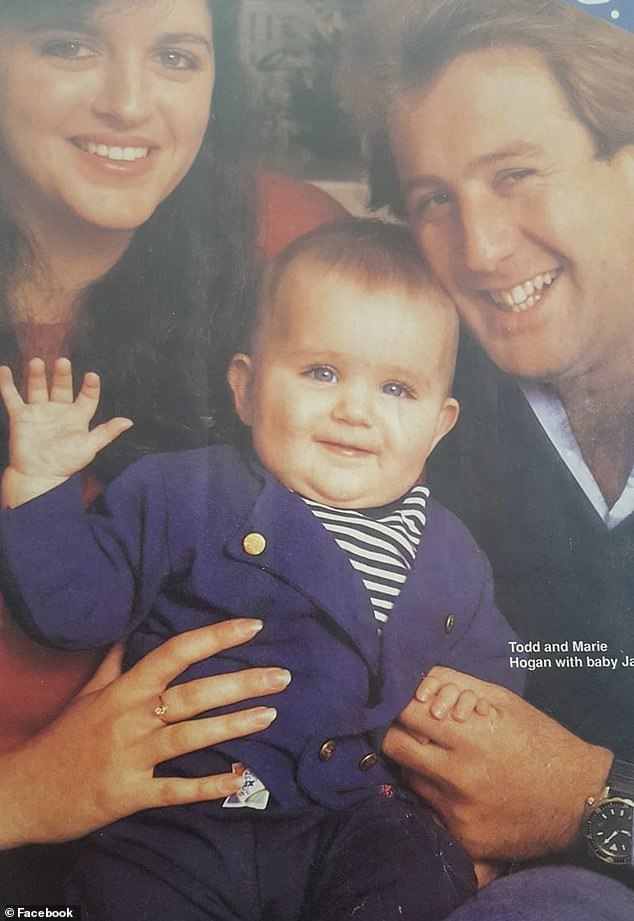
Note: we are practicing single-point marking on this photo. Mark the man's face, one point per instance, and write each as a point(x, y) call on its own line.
point(530, 233)
point(345, 392)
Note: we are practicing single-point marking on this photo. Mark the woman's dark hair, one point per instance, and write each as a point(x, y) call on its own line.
point(161, 325)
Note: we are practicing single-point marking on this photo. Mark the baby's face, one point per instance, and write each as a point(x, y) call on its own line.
point(346, 389)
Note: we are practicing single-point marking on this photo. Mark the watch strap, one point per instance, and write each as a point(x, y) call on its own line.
point(621, 779)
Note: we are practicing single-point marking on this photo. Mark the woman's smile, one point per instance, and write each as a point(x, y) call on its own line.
point(124, 149)
point(129, 158)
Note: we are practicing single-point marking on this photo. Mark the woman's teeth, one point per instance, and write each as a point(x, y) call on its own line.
point(114, 153)
point(527, 294)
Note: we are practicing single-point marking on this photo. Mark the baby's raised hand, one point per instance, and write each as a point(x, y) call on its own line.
point(449, 697)
point(49, 434)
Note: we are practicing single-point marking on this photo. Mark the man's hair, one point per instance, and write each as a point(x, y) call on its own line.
point(387, 55)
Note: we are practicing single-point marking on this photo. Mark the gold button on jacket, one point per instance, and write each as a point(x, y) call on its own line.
point(254, 544)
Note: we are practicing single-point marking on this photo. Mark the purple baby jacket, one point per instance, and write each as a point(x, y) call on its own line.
point(186, 539)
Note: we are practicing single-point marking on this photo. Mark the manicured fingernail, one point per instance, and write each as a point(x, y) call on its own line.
point(438, 712)
point(423, 695)
point(248, 627)
point(263, 716)
point(279, 679)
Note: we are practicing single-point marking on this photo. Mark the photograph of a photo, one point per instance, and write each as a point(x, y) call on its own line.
point(317, 436)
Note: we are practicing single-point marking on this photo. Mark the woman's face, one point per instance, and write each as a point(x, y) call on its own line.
point(103, 109)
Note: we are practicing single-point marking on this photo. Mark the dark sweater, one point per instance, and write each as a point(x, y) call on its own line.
point(560, 574)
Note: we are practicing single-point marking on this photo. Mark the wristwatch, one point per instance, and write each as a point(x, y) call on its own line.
point(609, 822)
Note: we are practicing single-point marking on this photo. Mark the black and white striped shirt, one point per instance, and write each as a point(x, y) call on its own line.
point(381, 544)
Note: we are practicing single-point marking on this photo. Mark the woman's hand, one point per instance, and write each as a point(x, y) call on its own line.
point(94, 764)
point(511, 785)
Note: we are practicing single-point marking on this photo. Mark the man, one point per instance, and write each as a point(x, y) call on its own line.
point(503, 131)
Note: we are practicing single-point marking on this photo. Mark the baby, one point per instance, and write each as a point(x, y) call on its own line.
point(323, 528)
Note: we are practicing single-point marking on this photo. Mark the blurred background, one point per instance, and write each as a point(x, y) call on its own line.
point(288, 49)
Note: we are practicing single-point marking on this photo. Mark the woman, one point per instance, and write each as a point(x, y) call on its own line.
point(127, 243)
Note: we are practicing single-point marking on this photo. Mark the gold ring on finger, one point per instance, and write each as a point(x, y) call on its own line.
point(161, 709)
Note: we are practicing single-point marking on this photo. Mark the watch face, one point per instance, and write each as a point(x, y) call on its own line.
point(609, 830)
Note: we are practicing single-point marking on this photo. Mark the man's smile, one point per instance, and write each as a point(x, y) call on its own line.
point(525, 294)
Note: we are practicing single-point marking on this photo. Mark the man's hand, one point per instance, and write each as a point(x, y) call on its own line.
point(511, 785)
point(49, 434)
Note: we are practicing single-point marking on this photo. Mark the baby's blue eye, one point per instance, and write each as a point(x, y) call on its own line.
point(323, 374)
point(394, 389)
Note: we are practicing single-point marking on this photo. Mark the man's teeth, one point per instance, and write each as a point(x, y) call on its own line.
point(526, 295)
point(115, 153)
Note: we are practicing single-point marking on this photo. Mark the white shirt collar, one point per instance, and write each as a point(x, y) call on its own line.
point(552, 417)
